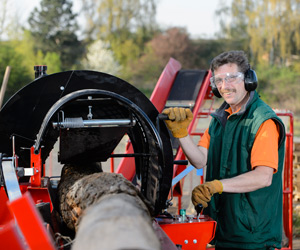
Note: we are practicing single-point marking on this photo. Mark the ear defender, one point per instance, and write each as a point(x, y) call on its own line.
point(215, 91)
point(250, 80)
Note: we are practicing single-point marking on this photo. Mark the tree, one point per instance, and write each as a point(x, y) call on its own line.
point(271, 27)
point(205, 50)
point(19, 76)
point(100, 58)
point(9, 21)
point(279, 86)
point(107, 17)
point(53, 28)
point(25, 46)
point(53, 62)
point(145, 71)
point(174, 42)
point(127, 25)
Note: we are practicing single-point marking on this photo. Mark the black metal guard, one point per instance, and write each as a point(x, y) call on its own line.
point(30, 112)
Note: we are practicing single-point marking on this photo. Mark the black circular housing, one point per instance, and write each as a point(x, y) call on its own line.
point(30, 113)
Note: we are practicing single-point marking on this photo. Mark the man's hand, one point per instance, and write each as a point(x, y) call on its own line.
point(202, 194)
point(179, 120)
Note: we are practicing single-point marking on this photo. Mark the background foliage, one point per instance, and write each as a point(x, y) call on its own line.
point(123, 38)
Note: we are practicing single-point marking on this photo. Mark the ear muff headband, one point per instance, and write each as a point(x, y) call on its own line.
point(250, 80)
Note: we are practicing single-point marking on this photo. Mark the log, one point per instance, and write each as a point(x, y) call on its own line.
point(105, 210)
point(116, 222)
point(70, 174)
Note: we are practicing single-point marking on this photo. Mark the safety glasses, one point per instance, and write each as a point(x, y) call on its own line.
point(217, 80)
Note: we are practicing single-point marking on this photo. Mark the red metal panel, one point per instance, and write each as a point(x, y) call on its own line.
point(5, 214)
point(40, 195)
point(30, 223)
point(158, 98)
point(191, 235)
point(164, 84)
point(10, 237)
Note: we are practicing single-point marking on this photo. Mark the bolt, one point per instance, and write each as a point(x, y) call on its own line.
point(194, 241)
point(186, 241)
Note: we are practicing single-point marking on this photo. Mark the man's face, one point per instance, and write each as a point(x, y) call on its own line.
point(234, 93)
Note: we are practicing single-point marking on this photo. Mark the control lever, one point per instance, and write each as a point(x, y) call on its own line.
point(198, 208)
point(162, 116)
point(181, 162)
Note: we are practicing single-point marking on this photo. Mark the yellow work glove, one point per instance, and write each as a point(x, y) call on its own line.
point(179, 120)
point(202, 193)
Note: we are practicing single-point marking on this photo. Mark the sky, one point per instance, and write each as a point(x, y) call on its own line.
point(197, 16)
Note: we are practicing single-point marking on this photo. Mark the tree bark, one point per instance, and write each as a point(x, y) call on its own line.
point(106, 210)
point(117, 221)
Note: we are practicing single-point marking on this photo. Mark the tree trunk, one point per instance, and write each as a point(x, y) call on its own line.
point(106, 210)
point(116, 222)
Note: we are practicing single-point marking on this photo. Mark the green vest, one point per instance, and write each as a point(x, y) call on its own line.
point(244, 220)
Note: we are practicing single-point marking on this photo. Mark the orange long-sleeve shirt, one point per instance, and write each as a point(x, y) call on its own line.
point(265, 147)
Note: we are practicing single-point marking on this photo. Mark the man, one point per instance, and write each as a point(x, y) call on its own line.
point(243, 149)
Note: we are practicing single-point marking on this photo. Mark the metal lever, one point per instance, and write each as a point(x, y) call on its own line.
point(10, 178)
point(163, 116)
point(181, 162)
point(198, 209)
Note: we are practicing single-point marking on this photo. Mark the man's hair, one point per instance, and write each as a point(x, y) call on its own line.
point(235, 56)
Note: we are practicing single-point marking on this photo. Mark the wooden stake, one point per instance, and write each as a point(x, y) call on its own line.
point(4, 84)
